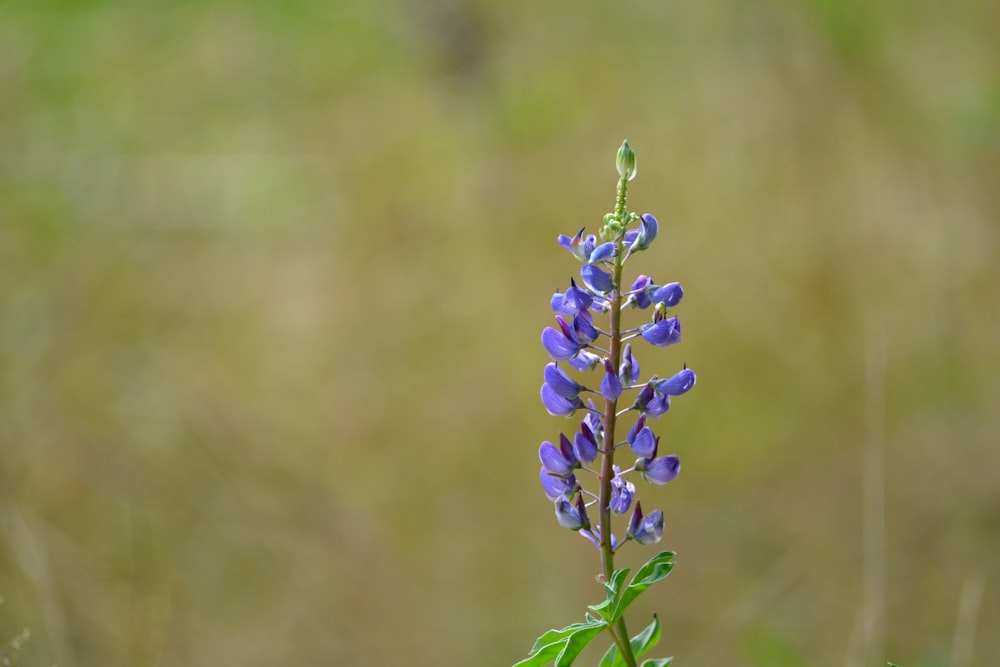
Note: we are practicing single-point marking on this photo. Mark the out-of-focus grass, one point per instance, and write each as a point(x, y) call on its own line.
point(272, 277)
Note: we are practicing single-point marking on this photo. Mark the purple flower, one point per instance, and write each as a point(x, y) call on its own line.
point(572, 516)
point(643, 442)
point(580, 247)
point(582, 330)
point(559, 346)
point(593, 420)
point(650, 401)
point(669, 295)
point(611, 386)
point(555, 486)
point(560, 383)
point(640, 297)
point(680, 383)
point(662, 333)
point(661, 470)
point(596, 279)
point(585, 444)
point(556, 405)
point(592, 535)
point(553, 460)
point(622, 493)
point(628, 371)
point(648, 227)
point(645, 530)
point(584, 361)
point(602, 252)
point(658, 406)
point(573, 301)
point(639, 424)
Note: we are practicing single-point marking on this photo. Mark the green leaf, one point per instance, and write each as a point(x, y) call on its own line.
point(646, 639)
point(662, 662)
point(613, 590)
point(611, 658)
point(542, 656)
point(553, 636)
point(655, 569)
point(562, 645)
point(576, 643)
point(891, 664)
point(641, 643)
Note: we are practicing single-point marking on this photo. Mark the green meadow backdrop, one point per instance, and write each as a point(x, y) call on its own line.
point(272, 279)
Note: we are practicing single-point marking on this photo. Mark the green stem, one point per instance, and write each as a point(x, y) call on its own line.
point(610, 419)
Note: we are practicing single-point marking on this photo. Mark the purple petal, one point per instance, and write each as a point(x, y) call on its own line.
point(592, 421)
point(611, 387)
point(648, 227)
point(557, 345)
point(567, 515)
point(628, 371)
point(582, 329)
point(566, 449)
point(639, 424)
point(680, 383)
point(602, 252)
point(662, 470)
point(640, 297)
point(562, 384)
point(657, 406)
point(596, 279)
point(622, 493)
point(584, 361)
point(669, 295)
point(585, 448)
point(644, 443)
point(556, 405)
point(662, 333)
point(590, 536)
point(635, 520)
point(554, 486)
point(553, 461)
point(650, 529)
point(575, 245)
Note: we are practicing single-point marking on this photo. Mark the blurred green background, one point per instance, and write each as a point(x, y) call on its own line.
point(272, 277)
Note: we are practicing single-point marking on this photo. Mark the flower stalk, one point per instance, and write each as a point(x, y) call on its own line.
point(574, 345)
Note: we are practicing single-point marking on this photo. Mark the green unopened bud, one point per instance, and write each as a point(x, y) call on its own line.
point(626, 162)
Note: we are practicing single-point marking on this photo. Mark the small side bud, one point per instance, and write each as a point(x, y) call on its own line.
point(626, 162)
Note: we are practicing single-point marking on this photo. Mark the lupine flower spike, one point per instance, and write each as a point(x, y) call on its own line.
point(600, 360)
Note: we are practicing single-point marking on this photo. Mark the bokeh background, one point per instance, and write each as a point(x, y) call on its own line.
point(272, 276)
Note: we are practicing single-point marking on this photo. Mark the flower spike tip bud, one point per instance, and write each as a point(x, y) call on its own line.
point(626, 162)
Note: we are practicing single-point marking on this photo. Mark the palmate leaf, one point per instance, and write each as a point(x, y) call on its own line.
point(641, 643)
